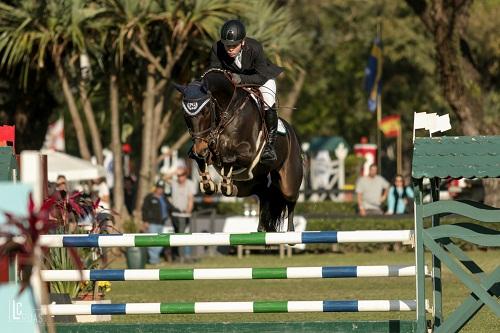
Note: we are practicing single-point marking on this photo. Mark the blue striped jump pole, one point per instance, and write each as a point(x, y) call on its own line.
point(227, 239)
point(165, 274)
point(230, 307)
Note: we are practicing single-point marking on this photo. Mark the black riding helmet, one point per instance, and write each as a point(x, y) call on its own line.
point(232, 32)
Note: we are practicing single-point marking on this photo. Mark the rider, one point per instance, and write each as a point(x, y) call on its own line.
point(244, 57)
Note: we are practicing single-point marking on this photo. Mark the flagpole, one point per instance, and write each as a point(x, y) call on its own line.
point(379, 136)
point(379, 114)
point(399, 148)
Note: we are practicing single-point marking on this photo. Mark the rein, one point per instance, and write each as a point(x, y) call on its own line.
point(225, 118)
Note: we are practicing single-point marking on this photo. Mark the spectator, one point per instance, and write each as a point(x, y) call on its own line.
point(51, 188)
point(371, 192)
point(182, 202)
point(129, 194)
point(62, 184)
point(399, 197)
point(101, 189)
point(61, 194)
point(155, 214)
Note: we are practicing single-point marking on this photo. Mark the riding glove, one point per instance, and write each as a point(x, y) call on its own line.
point(236, 78)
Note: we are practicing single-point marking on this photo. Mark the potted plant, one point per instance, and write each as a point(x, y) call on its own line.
point(21, 236)
point(75, 214)
point(136, 256)
point(94, 291)
point(60, 259)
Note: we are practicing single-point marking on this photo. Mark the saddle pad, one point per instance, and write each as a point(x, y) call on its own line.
point(281, 127)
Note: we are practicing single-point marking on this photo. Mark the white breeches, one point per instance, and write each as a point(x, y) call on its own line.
point(268, 91)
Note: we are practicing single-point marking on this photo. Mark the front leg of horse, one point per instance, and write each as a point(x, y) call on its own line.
point(207, 185)
point(227, 186)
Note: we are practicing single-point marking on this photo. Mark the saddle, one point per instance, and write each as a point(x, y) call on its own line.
point(256, 95)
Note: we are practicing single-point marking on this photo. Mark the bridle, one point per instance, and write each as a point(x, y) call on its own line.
point(193, 107)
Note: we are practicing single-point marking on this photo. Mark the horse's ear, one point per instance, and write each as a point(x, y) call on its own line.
point(179, 87)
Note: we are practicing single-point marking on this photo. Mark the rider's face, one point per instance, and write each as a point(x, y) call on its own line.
point(233, 50)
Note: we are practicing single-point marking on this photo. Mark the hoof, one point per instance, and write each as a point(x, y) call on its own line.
point(208, 187)
point(229, 190)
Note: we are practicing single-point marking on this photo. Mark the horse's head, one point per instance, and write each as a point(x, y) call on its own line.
point(199, 114)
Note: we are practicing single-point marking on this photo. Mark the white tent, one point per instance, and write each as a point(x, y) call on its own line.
point(73, 168)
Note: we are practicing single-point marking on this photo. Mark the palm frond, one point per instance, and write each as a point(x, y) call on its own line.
point(276, 29)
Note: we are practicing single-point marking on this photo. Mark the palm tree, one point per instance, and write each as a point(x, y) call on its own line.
point(34, 32)
point(158, 33)
point(284, 42)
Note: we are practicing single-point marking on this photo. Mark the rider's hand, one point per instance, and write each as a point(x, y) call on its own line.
point(236, 78)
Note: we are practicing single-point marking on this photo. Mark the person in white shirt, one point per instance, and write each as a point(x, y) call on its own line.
point(101, 188)
point(371, 192)
point(182, 200)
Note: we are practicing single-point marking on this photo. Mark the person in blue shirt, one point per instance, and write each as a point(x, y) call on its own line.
point(399, 197)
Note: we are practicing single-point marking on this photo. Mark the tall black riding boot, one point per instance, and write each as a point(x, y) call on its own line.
point(271, 118)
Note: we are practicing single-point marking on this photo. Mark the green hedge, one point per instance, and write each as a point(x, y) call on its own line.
point(341, 216)
point(230, 208)
point(325, 208)
point(302, 208)
point(354, 222)
point(380, 223)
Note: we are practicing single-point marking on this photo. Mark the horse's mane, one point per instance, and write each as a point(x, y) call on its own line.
point(219, 80)
point(216, 70)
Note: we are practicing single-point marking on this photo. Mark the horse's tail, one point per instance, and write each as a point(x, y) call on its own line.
point(273, 213)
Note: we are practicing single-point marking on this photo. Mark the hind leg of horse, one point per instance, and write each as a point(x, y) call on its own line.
point(290, 208)
point(290, 178)
point(264, 194)
point(264, 217)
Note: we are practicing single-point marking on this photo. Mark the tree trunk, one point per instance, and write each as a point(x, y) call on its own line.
point(181, 141)
point(449, 22)
point(145, 174)
point(291, 99)
point(73, 110)
point(156, 140)
point(446, 21)
point(116, 147)
point(89, 116)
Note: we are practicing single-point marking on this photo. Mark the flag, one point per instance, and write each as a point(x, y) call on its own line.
point(431, 122)
point(373, 74)
point(8, 134)
point(391, 125)
point(54, 139)
point(420, 120)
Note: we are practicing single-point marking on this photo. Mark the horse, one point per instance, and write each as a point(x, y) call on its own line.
point(228, 131)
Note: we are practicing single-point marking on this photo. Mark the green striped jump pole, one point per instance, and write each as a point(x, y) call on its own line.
point(226, 239)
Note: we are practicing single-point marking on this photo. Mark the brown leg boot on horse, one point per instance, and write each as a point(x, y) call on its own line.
point(271, 118)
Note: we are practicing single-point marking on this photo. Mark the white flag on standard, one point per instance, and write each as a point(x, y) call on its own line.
point(431, 122)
